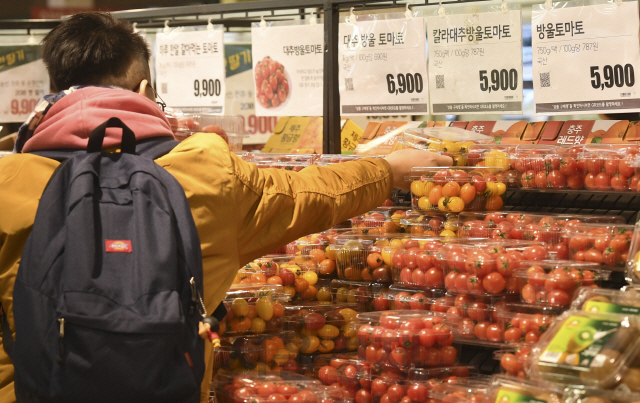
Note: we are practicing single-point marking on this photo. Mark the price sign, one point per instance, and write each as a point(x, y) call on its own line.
point(585, 58)
point(190, 71)
point(383, 67)
point(475, 62)
point(288, 69)
point(23, 81)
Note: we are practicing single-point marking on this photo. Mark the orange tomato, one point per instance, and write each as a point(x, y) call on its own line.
point(351, 273)
point(278, 310)
point(317, 255)
point(327, 267)
point(494, 203)
point(253, 312)
point(300, 285)
point(435, 194)
point(374, 260)
point(310, 293)
point(467, 193)
point(258, 278)
point(274, 280)
point(451, 189)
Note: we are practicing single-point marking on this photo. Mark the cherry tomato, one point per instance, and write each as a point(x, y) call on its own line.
point(590, 181)
point(558, 298)
point(603, 181)
point(576, 181)
point(495, 333)
point(556, 179)
point(513, 335)
point(619, 183)
point(493, 283)
point(536, 252)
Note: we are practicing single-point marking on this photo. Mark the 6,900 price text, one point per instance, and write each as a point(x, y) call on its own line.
point(409, 83)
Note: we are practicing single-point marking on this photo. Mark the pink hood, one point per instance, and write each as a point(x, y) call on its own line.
point(70, 120)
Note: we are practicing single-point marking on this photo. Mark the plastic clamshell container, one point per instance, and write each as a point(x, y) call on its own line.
point(393, 339)
point(600, 243)
point(555, 282)
point(416, 266)
point(347, 373)
point(633, 259)
point(399, 298)
point(254, 309)
point(230, 128)
point(595, 395)
point(322, 327)
point(590, 349)
point(360, 258)
point(443, 139)
point(507, 389)
point(525, 225)
point(255, 352)
point(307, 245)
point(608, 301)
point(338, 158)
point(547, 167)
point(485, 267)
point(430, 225)
point(609, 167)
point(455, 189)
point(358, 292)
point(375, 223)
point(513, 360)
point(492, 155)
point(243, 387)
point(470, 390)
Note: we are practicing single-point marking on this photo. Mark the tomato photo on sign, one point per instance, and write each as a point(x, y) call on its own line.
point(272, 86)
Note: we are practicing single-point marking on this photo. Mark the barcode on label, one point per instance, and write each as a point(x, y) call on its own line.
point(625, 94)
point(508, 97)
point(440, 81)
point(164, 88)
point(348, 84)
point(415, 99)
point(549, 356)
point(545, 80)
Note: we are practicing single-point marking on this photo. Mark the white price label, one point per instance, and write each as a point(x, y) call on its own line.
point(23, 81)
point(475, 62)
point(383, 67)
point(190, 70)
point(288, 69)
point(585, 58)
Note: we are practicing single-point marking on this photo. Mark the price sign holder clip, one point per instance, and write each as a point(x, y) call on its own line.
point(408, 14)
point(263, 23)
point(548, 5)
point(504, 7)
point(352, 16)
point(209, 25)
point(313, 20)
point(441, 12)
point(618, 3)
point(167, 30)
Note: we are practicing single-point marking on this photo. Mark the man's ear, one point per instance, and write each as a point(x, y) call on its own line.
point(142, 88)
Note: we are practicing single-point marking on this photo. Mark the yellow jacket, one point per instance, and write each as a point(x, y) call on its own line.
point(241, 213)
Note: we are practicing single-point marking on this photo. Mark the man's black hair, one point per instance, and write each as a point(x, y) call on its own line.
point(93, 49)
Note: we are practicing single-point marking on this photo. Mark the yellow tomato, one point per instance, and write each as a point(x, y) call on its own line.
point(492, 189)
point(451, 224)
point(417, 188)
point(261, 367)
point(387, 254)
point(309, 344)
point(265, 308)
point(307, 332)
point(324, 294)
point(424, 204)
point(396, 243)
point(447, 233)
point(311, 277)
point(341, 294)
point(348, 314)
point(441, 205)
point(295, 269)
point(326, 346)
point(351, 296)
point(328, 332)
point(455, 204)
point(281, 356)
point(381, 243)
point(353, 343)
point(501, 188)
point(240, 307)
point(349, 330)
point(258, 325)
point(289, 290)
point(332, 252)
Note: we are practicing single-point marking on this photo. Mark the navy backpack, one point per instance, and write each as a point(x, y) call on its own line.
point(107, 298)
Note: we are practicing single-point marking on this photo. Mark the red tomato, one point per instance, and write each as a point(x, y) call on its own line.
point(474, 285)
point(378, 387)
point(461, 281)
point(493, 283)
point(513, 335)
point(611, 257)
point(287, 390)
point(418, 392)
point(593, 255)
point(449, 354)
point(434, 278)
point(611, 165)
point(380, 303)
point(576, 180)
point(603, 181)
point(363, 396)
point(433, 357)
point(590, 181)
point(568, 166)
point(478, 311)
point(528, 294)
point(495, 333)
point(556, 179)
point(625, 167)
point(395, 393)
point(558, 298)
point(541, 180)
point(619, 183)
point(427, 337)
point(481, 330)
point(327, 374)
point(536, 252)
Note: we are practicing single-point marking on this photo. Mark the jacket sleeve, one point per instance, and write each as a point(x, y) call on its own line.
point(277, 206)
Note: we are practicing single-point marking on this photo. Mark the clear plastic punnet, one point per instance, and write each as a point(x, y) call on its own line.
point(547, 167)
point(607, 301)
point(247, 387)
point(230, 128)
point(405, 339)
point(513, 360)
point(455, 189)
point(444, 139)
point(589, 349)
point(596, 395)
point(555, 282)
point(367, 295)
point(606, 244)
point(254, 309)
point(507, 389)
point(609, 167)
point(633, 259)
point(259, 352)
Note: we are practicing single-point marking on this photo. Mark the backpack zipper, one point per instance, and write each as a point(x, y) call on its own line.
point(195, 298)
point(61, 340)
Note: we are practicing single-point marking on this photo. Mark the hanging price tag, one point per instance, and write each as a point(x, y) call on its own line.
point(288, 69)
point(585, 58)
point(23, 81)
point(475, 62)
point(382, 66)
point(190, 70)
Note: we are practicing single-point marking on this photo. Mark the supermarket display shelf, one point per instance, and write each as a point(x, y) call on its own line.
point(626, 204)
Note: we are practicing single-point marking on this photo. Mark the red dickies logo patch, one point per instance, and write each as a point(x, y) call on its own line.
point(117, 245)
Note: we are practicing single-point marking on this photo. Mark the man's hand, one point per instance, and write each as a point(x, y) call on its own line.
point(403, 160)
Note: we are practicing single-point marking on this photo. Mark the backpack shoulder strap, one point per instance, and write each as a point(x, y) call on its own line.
point(152, 148)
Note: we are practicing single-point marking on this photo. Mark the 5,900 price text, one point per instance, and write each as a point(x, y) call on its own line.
point(409, 83)
point(207, 88)
point(500, 80)
point(616, 75)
